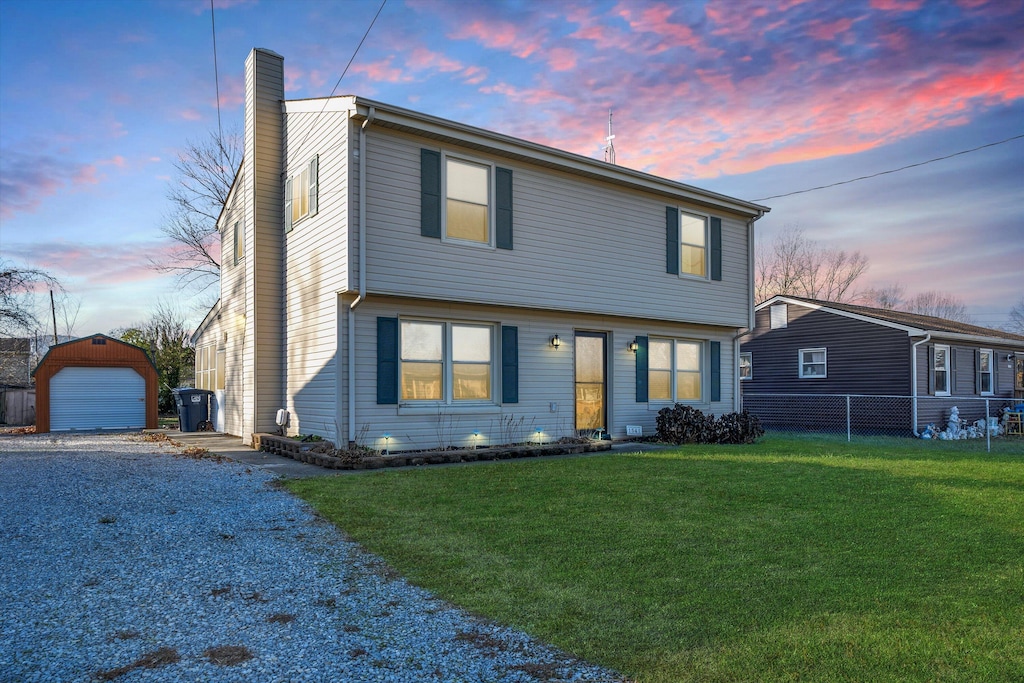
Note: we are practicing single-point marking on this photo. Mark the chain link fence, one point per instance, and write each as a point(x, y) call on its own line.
point(990, 424)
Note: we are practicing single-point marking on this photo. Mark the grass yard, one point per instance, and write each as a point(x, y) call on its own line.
point(791, 560)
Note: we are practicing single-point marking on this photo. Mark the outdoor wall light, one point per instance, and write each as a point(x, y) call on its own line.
point(387, 443)
point(633, 346)
point(555, 341)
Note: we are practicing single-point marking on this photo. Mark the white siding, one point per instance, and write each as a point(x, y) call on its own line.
point(545, 375)
point(316, 270)
point(580, 245)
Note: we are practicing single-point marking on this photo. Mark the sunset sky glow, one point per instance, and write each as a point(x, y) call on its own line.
point(748, 98)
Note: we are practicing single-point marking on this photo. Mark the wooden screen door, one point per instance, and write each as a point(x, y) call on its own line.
point(591, 388)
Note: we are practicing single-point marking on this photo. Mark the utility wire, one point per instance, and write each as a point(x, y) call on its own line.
point(335, 88)
point(216, 80)
point(894, 170)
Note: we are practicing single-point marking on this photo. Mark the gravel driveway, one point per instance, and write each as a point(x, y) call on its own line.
point(122, 560)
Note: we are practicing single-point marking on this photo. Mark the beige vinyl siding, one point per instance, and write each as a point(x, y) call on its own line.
point(316, 270)
point(262, 167)
point(545, 375)
point(580, 245)
point(230, 328)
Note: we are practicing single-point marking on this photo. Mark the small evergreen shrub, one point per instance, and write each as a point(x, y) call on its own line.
point(685, 424)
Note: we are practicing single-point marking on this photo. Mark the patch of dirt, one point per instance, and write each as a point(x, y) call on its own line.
point(281, 618)
point(482, 640)
point(220, 591)
point(228, 655)
point(18, 431)
point(126, 634)
point(163, 656)
point(542, 672)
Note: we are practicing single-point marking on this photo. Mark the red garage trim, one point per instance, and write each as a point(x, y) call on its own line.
point(97, 351)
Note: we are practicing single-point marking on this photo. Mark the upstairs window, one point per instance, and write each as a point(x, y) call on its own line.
point(467, 201)
point(239, 239)
point(693, 240)
point(301, 193)
point(813, 364)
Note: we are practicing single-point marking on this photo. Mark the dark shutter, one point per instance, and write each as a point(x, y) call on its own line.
point(314, 185)
point(387, 361)
point(716, 248)
point(430, 193)
point(288, 205)
point(641, 369)
point(977, 371)
point(716, 371)
point(672, 240)
point(509, 364)
point(503, 209)
point(931, 368)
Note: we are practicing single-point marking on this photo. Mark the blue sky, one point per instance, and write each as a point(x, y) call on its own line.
point(743, 97)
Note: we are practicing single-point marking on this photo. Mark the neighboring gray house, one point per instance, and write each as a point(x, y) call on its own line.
point(805, 346)
point(15, 362)
point(405, 281)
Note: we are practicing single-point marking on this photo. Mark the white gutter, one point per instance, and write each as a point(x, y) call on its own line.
point(362, 280)
point(913, 379)
point(737, 403)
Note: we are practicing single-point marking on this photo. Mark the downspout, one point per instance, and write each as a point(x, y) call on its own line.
point(737, 397)
point(913, 379)
point(362, 279)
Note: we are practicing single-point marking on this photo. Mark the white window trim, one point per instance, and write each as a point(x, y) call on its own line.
point(707, 246)
point(238, 236)
point(991, 371)
point(447, 402)
point(702, 372)
point(948, 390)
point(800, 362)
point(312, 167)
point(750, 364)
point(491, 195)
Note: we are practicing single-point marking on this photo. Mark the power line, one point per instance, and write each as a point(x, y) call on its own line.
point(335, 88)
point(894, 170)
point(216, 77)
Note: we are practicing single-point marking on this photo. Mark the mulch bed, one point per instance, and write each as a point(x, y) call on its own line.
point(324, 454)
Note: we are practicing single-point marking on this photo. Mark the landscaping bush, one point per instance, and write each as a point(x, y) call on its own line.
point(685, 424)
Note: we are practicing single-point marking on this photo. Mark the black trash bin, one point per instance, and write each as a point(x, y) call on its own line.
point(193, 408)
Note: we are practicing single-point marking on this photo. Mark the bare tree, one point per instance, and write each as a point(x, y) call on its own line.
point(888, 297)
point(938, 304)
point(168, 341)
point(18, 308)
point(205, 171)
point(1015, 321)
point(794, 264)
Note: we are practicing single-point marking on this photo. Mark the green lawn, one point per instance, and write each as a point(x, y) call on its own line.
point(793, 559)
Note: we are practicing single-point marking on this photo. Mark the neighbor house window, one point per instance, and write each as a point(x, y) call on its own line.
point(446, 362)
point(693, 243)
point(779, 316)
point(467, 201)
point(812, 363)
point(674, 370)
point(940, 370)
point(239, 238)
point(985, 371)
point(209, 367)
point(300, 194)
point(746, 366)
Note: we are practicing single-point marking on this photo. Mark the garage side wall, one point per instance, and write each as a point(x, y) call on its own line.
point(96, 352)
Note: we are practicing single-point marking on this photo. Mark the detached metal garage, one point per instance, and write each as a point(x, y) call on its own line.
point(96, 382)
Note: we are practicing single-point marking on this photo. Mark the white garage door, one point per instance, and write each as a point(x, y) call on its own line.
point(97, 398)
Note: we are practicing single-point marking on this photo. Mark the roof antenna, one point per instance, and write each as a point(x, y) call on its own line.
point(609, 148)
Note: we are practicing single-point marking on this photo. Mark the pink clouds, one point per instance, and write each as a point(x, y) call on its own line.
point(896, 5)
point(28, 179)
point(500, 35)
point(829, 30)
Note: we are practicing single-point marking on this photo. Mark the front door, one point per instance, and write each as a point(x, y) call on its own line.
point(591, 388)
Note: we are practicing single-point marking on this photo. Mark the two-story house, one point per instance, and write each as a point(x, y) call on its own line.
point(404, 281)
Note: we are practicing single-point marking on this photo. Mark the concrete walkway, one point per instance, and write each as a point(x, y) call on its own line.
point(234, 448)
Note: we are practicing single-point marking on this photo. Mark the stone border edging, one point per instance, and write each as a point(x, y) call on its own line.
point(297, 450)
